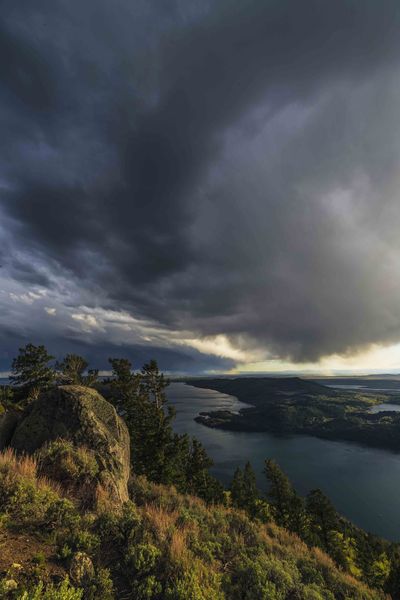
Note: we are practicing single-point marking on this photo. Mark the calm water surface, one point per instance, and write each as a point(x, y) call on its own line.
point(385, 407)
point(363, 483)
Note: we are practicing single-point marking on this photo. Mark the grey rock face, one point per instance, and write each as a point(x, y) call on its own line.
point(8, 423)
point(83, 416)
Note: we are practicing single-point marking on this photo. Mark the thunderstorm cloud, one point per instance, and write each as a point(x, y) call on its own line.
point(177, 174)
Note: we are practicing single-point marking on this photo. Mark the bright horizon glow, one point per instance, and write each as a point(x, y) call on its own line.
point(377, 359)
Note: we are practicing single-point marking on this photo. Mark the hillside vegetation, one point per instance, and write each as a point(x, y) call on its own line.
point(100, 499)
point(160, 544)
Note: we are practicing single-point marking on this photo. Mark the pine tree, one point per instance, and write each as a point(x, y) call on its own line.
point(159, 440)
point(237, 488)
point(156, 450)
point(280, 491)
point(91, 377)
point(124, 383)
point(71, 371)
point(392, 585)
point(244, 492)
point(250, 490)
point(153, 383)
point(31, 370)
point(288, 506)
point(198, 463)
point(151, 437)
point(298, 518)
point(323, 517)
point(198, 479)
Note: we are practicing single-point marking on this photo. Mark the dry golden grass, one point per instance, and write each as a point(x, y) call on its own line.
point(322, 558)
point(44, 483)
point(197, 541)
point(22, 465)
point(161, 521)
point(178, 549)
point(162, 513)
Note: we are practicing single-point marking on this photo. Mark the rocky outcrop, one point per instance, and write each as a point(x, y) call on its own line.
point(83, 416)
point(8, 423)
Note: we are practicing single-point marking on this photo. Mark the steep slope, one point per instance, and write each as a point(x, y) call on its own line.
point(158, 546)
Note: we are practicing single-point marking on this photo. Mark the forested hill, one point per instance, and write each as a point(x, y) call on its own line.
point(294, 405)
point(259, 390)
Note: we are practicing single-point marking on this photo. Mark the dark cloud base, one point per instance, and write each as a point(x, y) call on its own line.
point(219, 168)
point(174, 361)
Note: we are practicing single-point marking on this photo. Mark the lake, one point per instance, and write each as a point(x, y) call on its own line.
point(384, 408)
point(363, 483)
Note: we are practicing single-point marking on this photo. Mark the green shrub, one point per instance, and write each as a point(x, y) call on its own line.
point(101, 587)
point(74, 467)
point(64, 591)
point(142, 557)
point(265, 578)
point(39, 558)
point(167, 546)
point(314, 592)
point(61, 513)
point(7, 399)
point(309, 572)
point(119, 528)
point(190, 586)
point(61, 460)
point(75, 540)
point(31, 507)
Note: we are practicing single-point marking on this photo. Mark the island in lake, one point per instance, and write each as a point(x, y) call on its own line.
point(292, 405)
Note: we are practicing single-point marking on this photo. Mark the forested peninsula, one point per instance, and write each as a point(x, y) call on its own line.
point(291, 405)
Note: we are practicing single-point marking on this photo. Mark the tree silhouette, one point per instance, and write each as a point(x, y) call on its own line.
point(31, 370)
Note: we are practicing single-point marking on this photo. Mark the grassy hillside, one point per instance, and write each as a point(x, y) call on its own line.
point(127, 508)
point(160, 545)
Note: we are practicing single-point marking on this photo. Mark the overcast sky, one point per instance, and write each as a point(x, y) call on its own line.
point(215, 184)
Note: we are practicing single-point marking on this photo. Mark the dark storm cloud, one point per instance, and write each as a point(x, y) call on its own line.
point(97, 354)
point(222, 168)
point(27, 273)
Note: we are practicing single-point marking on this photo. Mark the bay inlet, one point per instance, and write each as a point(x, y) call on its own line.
point(363, 483)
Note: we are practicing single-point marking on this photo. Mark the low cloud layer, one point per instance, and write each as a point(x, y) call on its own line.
point(178, 171)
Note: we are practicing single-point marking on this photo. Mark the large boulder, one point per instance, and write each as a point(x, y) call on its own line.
point(84, 417)
point(8, 423)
